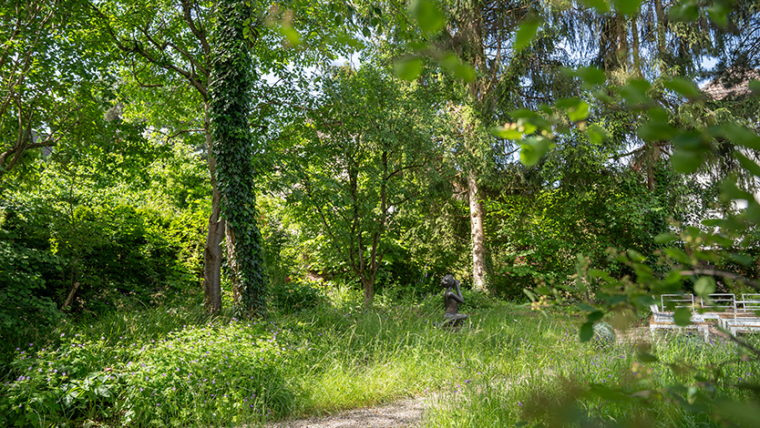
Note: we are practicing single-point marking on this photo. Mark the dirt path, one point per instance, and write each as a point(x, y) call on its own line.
point(401, 414)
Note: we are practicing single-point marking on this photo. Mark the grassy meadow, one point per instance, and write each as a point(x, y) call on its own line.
point(509, 366)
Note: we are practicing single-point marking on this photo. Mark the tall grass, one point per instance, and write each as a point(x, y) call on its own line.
point(178, 367)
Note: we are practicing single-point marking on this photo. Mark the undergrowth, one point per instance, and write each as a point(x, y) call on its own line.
point(179, 367)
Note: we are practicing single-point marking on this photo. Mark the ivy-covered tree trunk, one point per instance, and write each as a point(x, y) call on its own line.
point(230, 94)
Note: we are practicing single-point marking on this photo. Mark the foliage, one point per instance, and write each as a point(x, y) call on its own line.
point(629, 187)
point(24, 303)
point(718, 240)
point(54, 79)
point(229, 91)
point(130, 380)
point(100, 217)
point(333, 357)
point(293, 296)
point(357, 161)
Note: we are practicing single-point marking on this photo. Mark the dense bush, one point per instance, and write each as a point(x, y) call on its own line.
point(113, 253)
point(191, 374)
point(24, 296)
point(537, 237)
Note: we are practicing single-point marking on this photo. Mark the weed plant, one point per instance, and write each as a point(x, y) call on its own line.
point(179, 367)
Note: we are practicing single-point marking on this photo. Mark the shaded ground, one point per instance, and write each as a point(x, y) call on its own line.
point(401, 414)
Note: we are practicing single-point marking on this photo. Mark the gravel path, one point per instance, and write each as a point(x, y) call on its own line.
point(401, 414)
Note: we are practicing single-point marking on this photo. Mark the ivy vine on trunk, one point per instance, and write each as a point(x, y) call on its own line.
point(230, 93)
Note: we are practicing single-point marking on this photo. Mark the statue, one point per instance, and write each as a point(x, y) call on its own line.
point(451, 301)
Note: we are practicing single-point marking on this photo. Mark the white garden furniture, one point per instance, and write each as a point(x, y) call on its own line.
point(723, 309)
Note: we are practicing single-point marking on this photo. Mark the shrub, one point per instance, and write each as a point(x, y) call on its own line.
point(208, 374)
point(290, 296)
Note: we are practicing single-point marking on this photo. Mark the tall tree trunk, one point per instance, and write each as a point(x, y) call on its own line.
point(653, 158)
point(478, 235)
point(212, 260)
point(621, 49)
point(661, 24)
point(636, 46)
point(230, 89)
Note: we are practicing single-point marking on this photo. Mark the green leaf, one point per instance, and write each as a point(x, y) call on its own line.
point(635, 256)
point(526, 126)
point(591, 75)
point(408, 68)
point(586, 332)
point(730, 190)
point(579, 112)
point(748, 164)
point(684, 87)
point(627, 7)
point(526, 32)
point(452, 63)
point(646, 357)
point(693, 140)
point(741, 136)
point(686, 161)
point(719, 11)
point(428, 15)
point(656, 131)
point(596, 134)
point(704, 286)
point(664, 238)
point(597, 273)
point(508, 134)
point(741, 259)
point(673, 277)
point(754, 86)
point(678, 255)
point(682, 317)
point(685, 12)
point(533, 148)
point(645, 301)
point(635, 92)
point(594, 316)
point(292, 36)
point(465, 72)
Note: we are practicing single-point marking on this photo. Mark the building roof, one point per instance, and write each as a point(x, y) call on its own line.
point(732, 84)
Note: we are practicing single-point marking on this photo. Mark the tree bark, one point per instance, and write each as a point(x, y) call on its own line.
point(232, 263)
point(70, 298)
point(478, 236)
point(212, 261)
point(369, 290)
point(636, 45)
point(660, 22)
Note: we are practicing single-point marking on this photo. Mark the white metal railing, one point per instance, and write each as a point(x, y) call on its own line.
point(732, 314)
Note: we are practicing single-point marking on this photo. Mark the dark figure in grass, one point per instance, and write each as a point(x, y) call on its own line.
point(452, 300)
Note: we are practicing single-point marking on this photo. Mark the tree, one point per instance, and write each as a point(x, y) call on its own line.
point(230, 95)
point(167, 45)
point(679, 267)
point(358, 159)
point(481, 34)
point(48, 88)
